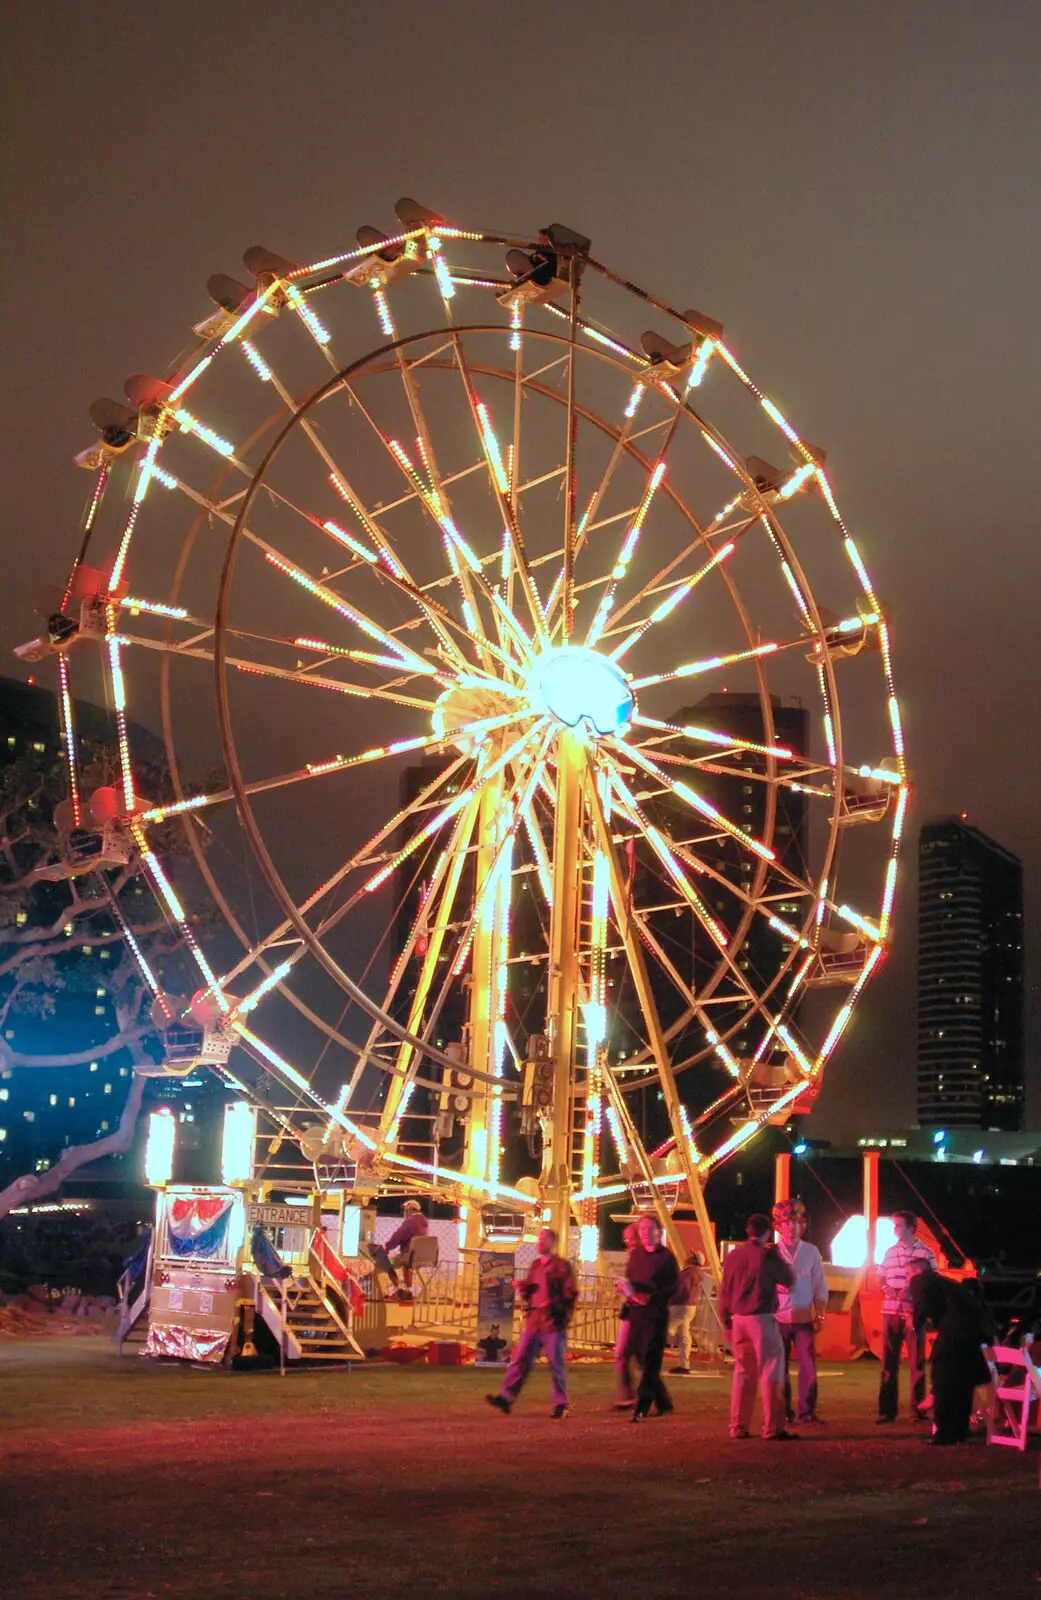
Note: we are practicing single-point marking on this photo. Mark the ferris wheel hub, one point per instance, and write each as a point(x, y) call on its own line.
point(575, 685)
point(462, 711)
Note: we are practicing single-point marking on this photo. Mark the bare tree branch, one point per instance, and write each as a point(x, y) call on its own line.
point(52, 941)
point(77, 1058)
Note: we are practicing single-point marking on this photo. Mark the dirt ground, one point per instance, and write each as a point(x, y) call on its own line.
point(121, 1478)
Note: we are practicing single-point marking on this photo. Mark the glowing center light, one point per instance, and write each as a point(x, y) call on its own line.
point(574, 685)
point(849, 1248)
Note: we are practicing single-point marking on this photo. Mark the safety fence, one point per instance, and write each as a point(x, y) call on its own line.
point(446, 1302)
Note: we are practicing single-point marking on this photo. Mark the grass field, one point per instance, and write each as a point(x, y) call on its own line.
point(120, 1478)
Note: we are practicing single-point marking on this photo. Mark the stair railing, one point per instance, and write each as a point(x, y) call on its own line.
point(133, 1294)
point(274, 1313)
point(331, 1279)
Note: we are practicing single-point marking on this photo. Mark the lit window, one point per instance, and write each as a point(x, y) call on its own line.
point(99, 1011)
point(21, 919)
point(5, 1094)
point(30, 1116)
point(93, 1066)
point(38, 747)
point(103, 1128)
point(8, 1033)
point(100, 993)
point(123, 1071)
point(3, 1135)
point(53, 1099)
point(10, 741)
point(108, 1088)
point(88, 949)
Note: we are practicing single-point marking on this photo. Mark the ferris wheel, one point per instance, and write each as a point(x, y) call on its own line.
point(553, 702)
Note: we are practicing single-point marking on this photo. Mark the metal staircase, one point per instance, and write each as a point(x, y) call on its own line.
point(312, 1319)
point(318, 1331)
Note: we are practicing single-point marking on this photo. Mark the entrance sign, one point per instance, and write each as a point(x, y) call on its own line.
point(272, 1216)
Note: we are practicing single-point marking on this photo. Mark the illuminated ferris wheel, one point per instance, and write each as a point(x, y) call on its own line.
point(552, 700)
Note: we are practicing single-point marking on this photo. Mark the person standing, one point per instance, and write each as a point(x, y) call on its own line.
point(752, 1274)
point(963, 1326)
point(902, 1262)
point(683, 1308)
point(800, 1309)
point(549, 1293)
point(651, 1275)
point(625, 1386)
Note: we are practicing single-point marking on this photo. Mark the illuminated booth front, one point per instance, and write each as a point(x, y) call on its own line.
point(197, 1283)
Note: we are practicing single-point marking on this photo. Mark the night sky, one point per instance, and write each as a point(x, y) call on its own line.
point(851, 188)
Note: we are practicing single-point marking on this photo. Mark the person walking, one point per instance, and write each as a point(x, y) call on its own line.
point(624, 1357)
point(800, 1309)
point(753, 1272)
point(902, 1262)
point(549, 1293)
point(651, 1275)
point(683, 1308)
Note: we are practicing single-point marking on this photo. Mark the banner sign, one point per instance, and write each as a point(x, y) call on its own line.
point(495, 1271)
point(197, 1225)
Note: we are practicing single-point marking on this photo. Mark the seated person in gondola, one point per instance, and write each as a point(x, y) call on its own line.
point(414, 1226)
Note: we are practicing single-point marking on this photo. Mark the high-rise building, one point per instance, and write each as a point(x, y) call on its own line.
point(970, 979)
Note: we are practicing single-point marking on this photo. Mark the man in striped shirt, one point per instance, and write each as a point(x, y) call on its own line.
point(902, 1262)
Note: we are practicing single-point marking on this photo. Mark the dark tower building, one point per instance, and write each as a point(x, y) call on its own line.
point(970, 979)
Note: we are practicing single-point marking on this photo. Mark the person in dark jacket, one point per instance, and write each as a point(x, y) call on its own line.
point(651, 1275)
point(684, 1309)
point(958, 1365)
point(549, 1294)
point(752, 1275)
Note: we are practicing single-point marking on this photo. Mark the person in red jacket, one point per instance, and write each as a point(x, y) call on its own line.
point(549, 1294)
point(752, 1275)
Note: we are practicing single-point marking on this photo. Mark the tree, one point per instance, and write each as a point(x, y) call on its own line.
point(67, 938)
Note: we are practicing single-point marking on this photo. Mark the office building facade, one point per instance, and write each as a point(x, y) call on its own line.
point(970, 979)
